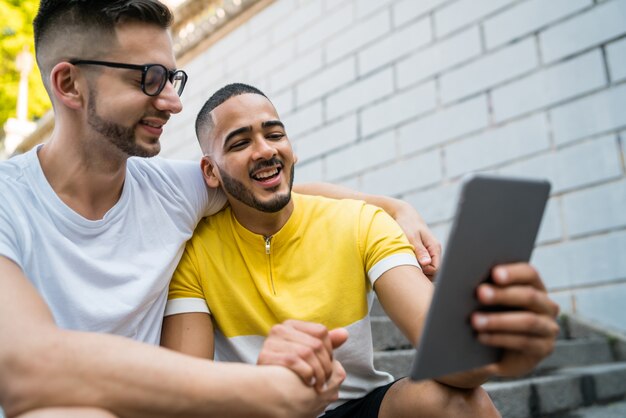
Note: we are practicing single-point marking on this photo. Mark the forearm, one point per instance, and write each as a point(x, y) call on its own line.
point(388, 204)
point(136, 380)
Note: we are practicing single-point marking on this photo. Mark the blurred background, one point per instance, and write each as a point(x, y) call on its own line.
point(404, 97)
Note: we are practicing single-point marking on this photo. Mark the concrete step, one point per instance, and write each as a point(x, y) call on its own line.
point(610, 410)
point(567, 353)
point(565, 390)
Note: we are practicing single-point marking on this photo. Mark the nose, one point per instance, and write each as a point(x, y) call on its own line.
point(168, 100)
point(263, 149)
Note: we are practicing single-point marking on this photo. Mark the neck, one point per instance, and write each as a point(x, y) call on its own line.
point(262, 223)
point(88, 179)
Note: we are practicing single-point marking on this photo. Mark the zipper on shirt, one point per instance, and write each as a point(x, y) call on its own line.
point(268, 251)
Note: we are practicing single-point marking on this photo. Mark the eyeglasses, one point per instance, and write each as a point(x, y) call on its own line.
point(153, 76)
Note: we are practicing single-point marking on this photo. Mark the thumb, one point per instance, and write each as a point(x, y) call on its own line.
point(338, 336)
point(423, 256)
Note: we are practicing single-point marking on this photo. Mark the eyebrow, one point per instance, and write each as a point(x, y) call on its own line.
point(271, 123)
point(236, 132)
point(244, 129)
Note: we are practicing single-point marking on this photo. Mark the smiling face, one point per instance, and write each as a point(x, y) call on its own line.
point(249, 156)
point(118, 111)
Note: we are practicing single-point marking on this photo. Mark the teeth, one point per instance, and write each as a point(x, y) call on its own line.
point(266, 174)
point(154, 125)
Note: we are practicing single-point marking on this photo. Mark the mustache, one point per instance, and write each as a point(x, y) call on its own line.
point(158, 114)
point(266, 163)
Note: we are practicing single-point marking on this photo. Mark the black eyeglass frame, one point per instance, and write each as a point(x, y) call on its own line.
point(171, 74)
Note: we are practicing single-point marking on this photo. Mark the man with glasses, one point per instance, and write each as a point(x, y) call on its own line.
point(89, 237)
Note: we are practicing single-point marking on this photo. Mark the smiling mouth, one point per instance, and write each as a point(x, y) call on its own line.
point(152, 124)
point(268, 174)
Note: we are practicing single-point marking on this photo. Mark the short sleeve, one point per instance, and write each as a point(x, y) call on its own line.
point(384, 245)
point(185, 292)
point(9, 236)
point(188, 176)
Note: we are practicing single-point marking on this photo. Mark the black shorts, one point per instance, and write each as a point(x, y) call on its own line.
point(365, 407)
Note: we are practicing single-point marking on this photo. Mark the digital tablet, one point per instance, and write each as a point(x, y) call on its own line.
point(496, 222)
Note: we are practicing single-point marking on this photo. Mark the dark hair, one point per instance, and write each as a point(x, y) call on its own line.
point(204, 122)
point(100, 15)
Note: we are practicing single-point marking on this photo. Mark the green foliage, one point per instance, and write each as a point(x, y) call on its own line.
point(16, 32)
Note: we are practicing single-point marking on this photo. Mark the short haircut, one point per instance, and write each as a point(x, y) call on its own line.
point(72, 22)
point(204, 120)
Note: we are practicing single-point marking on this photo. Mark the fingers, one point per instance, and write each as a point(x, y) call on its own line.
point(330, 391)
point(422, 254)
point(306, 348)
point(338, 337)
point(427, 251)
point(517, 273)
point(520, 323)
point(522, 297)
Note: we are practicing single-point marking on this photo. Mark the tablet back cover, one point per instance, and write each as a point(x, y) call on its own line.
point(496, 222)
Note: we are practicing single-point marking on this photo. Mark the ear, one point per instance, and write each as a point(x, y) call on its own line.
point(67, 86)
point(209, 172)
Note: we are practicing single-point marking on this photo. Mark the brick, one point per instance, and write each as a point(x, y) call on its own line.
point(361, 157)
point(330, 24)
point(367, 7)
point(406, 10)
point(268, 17)
point(443, 55)
point(497, 146)
point(601, 208)
point(274, 58)
point(360, 93)
point(283, 102)
point(244, 54)
point(572, 167)
point(304, 119)
point(600, 112)
point(489, 70)
point(303, 16)
point(229, 43)
point(394, 46)
point(527, 17)
point(616, 56)
point(436, 204)
point(600, 24)
point(359, 35)
point(464, 12)
point(297, 69)
point(404, 176)
point(623, 142)
point(603, 305)
point(592, 260)
point(311, 171)
point(400, 107)
point(327, 80)
point(327, 138)
point(549, 86)
point(436, 128)
point(551, 228)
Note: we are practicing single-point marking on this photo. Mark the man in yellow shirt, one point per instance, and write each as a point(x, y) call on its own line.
point(280, 264)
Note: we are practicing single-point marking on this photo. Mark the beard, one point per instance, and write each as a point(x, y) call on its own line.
point(121, 137)
point(239, 192)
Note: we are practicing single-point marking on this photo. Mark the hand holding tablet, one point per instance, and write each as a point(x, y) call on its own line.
point(496, 223)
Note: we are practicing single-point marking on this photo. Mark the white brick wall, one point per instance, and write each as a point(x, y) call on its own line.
point(403, 97)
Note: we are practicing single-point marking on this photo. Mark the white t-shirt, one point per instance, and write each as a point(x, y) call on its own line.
point(109, 275)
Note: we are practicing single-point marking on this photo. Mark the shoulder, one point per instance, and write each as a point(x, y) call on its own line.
point(14, 173)
point(163, 169)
